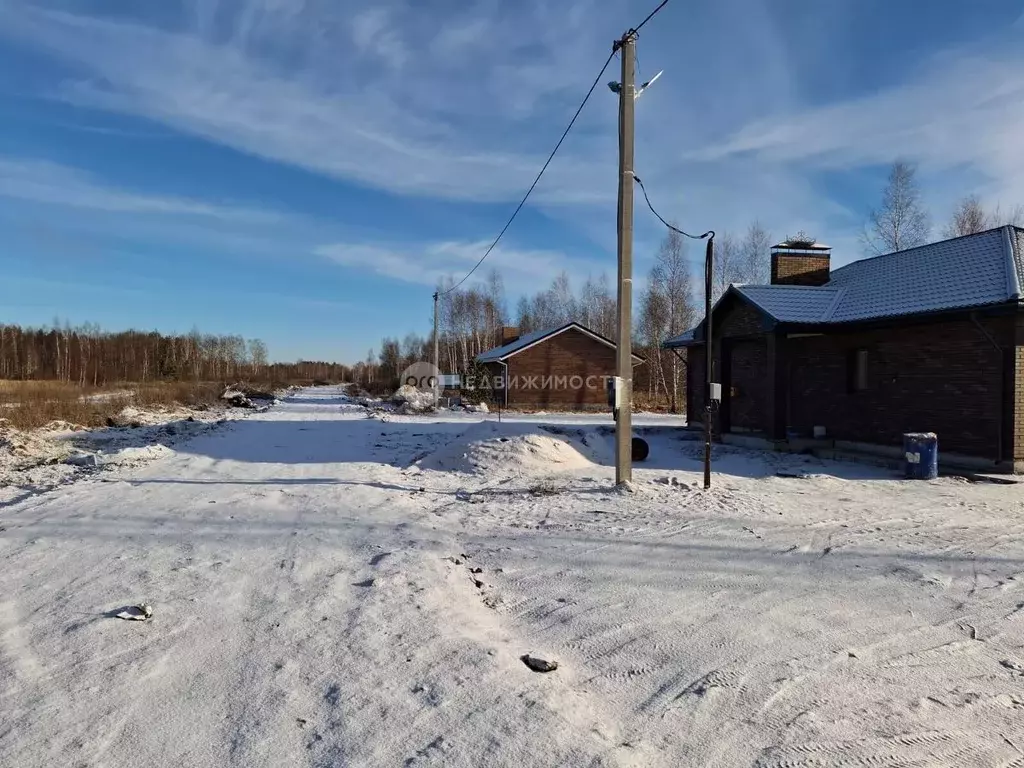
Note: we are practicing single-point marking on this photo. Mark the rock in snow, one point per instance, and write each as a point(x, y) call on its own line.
point(539, 663)
point(82, 460)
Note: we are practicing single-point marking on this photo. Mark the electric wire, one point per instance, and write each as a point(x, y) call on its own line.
point(710, 233)
point(504, 229)
point(650, 16)
point(537, 179)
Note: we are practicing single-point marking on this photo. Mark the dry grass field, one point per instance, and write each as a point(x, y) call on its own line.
point(31, 404)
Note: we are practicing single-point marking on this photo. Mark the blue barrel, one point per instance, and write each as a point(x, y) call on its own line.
point(921, 450)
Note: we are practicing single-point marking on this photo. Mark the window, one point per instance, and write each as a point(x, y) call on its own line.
point(858, 370)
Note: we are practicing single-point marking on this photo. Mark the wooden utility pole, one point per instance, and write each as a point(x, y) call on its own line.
point(624, 348)
point(437, 367)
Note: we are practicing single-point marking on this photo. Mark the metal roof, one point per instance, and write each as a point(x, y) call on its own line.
point(1019, 260)
point(529, 339)
point(493, 355)
point(682, 340)
point(971, 271)
point(793, 303)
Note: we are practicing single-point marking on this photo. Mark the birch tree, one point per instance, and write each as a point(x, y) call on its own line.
point(970, 217)
point(901, 221)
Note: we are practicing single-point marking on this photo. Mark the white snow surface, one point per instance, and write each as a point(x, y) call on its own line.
point(311, 575)
point(39, 460)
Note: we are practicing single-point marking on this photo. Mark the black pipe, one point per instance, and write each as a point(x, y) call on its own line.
point(709, 261)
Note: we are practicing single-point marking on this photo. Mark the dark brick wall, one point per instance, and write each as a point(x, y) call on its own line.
point(799, 269)
point(736, 319)
point(942, 377)
point(567, 355)
point(745, 385)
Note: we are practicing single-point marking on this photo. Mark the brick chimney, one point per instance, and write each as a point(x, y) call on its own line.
point(508, 334)
point(800, 261)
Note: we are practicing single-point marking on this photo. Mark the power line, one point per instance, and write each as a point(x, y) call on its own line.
point(537, 179)
point(650, 16)
point(709, 233)
point(615, 49)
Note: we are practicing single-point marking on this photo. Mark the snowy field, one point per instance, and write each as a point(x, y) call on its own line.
point(336, 590)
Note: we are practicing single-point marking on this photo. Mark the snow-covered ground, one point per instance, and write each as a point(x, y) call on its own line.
point(336, 590)
point(39, 460)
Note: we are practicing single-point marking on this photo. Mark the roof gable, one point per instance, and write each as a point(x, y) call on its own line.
point(793, 303)
point(528, 340)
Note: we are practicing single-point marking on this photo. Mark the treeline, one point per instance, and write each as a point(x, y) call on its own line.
point(902, 221)
point(87, 355)
point(471, 318)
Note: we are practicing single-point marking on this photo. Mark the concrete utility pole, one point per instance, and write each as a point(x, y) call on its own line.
point(437, 367)
point(624, 348)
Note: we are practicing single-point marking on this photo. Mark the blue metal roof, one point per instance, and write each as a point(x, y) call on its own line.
point(682, 340)
point(971, 271)
point(793, 303)
point(498, 353)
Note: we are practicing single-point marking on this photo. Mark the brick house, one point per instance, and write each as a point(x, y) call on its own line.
point(926, 339)
point(563, 368)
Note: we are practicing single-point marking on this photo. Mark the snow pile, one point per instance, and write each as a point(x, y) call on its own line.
point(135, 455)
point(23, 449)
point(511, 449)
point(411, 400)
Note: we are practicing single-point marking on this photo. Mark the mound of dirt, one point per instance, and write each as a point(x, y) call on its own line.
point(507, 449)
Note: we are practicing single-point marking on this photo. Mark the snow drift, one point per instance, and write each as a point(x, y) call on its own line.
point(519, 449)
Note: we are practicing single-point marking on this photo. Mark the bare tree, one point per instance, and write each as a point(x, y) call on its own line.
point(968, 218)
point(670, 277)
point(901, 222)
point(755, 255)
point(596, 306)
point(726, 267)
point(650, 333)
point(1014, 216)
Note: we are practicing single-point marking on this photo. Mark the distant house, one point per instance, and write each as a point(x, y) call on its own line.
point(563, 368)
point(927, 339)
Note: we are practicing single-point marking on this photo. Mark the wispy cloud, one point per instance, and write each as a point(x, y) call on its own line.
point(464, 106)
point(428, 263)
point(50, 183)
point(962, 112)
point(387, 113)
point(950, 115)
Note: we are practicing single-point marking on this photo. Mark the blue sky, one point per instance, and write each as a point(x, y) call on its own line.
point(305, 171)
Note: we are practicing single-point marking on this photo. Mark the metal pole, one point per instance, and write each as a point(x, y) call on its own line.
point(709, 263)
point(624, 348)
point(437, 358)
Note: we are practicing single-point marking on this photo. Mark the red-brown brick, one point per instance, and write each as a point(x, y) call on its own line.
point(564, 372)
point(802, 269)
